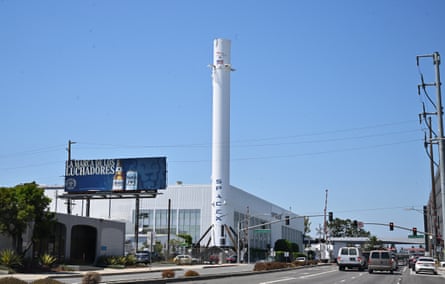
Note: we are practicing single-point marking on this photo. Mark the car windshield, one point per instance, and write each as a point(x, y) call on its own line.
point(426, 259)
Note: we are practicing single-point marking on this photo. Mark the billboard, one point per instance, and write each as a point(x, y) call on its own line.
point(116, 174)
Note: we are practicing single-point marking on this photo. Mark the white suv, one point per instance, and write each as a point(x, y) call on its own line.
point(351, 257)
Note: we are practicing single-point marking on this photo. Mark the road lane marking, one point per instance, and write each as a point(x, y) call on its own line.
point(316, 274)
point(279, 280)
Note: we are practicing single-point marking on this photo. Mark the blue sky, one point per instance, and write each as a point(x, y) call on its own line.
point(324, 95)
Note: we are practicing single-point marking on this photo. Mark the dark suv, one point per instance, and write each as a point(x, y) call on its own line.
point(143, 257)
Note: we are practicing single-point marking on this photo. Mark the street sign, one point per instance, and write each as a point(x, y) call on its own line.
point(416, 236)
point(261, 230)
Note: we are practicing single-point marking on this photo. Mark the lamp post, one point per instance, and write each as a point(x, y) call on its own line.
point(431, 232)
point(247, 229)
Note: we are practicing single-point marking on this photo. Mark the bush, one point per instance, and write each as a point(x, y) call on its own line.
point(47, 260)
point(130, 259)
point(12, 280)
point(189, 273)
point(261, 266)
point(91, 278)
point(9, 258)
point(46, 281)
point(168, 273)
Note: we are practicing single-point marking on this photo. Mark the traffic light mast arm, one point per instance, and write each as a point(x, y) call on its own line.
point(399, 227)
point(277, 221)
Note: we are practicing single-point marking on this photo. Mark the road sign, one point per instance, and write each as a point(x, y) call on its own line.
point(416, 236)
point(261, 230)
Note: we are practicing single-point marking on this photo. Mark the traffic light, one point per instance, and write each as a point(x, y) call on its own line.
point(287, 220)
point(355, 224)
point(391, 226)
point(414, 231)
point(331, 216)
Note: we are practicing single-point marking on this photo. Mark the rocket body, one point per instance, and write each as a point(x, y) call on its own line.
point(220, 138)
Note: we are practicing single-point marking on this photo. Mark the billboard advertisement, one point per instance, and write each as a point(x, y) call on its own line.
point(116, 175)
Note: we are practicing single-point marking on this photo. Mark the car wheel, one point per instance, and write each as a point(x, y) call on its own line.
point(370, 271)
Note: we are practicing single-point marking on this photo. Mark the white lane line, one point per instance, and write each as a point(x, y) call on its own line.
point(279, 280)
point(316, 274)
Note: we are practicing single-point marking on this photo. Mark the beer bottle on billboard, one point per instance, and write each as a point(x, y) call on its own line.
point(118, 179)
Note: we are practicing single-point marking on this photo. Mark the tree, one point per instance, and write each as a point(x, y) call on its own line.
point(374, 243)
point(346, 228)
point(187, 238)
point(23, 207)
point(282, 245)
point(294, 247)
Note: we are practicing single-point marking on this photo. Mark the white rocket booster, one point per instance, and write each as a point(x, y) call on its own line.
point(220, 138)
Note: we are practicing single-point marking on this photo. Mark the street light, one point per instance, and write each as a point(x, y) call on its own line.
point(247, 229)
point(247, 218)
point(428, 222)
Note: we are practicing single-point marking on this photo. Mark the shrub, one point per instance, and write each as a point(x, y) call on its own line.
point(189, 273)
point(130, 259)
point(261, 266)
point(12, 280)
point(46, 281)
point(9, 258)
point(47, 260)
point(91, 278)
point(168, 273)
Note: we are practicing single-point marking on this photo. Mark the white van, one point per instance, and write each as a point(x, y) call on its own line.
point(351, 257)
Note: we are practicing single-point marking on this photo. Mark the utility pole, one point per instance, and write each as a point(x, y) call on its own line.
point(436, 61)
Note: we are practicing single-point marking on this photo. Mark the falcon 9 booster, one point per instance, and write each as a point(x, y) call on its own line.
point(221, 69)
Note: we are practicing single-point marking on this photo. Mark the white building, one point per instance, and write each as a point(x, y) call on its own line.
point(190, 207)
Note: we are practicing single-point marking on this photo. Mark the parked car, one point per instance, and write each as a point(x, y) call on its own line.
point(214, 258)
point(425, 263)
point(182, 259)
point(232, 258)
point(143, 257)
point(380, 260)
point(301, 260)
point(351, 257)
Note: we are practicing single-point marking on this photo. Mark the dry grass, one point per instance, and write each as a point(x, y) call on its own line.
point(91, 278)
point(46, 281)
point(261, 266)
point(168, 273)
point(12, 280)
point(189, 273)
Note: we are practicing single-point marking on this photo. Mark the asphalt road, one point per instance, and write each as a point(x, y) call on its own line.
point(329, 275)
point(243, 273)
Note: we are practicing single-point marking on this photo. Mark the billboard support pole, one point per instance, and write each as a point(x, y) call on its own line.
point(87, 209)
point(68, 201)
point(168, 227)
point(136, 224)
